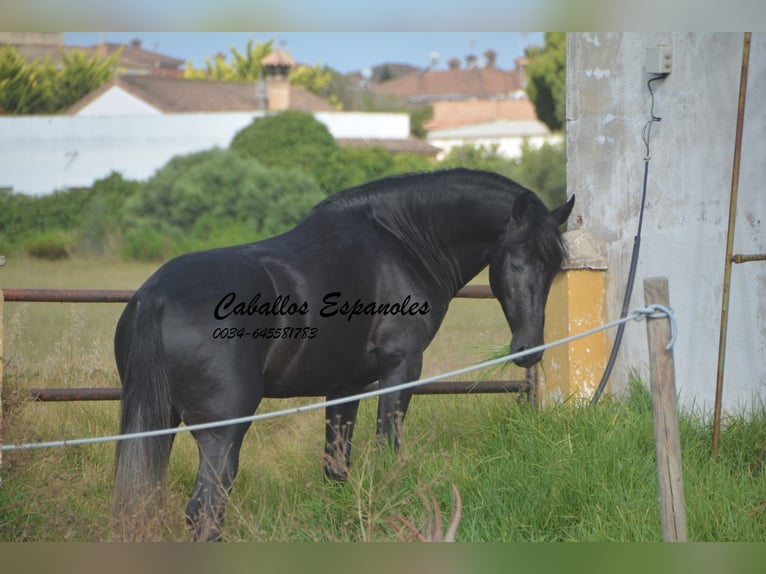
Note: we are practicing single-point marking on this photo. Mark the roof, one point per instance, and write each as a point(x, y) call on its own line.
point(176, 95)
point(408, 145)
point(132, 57)
point(452, 84)
point(453, 113)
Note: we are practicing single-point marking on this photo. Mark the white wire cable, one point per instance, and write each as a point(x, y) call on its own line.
point(652, 311)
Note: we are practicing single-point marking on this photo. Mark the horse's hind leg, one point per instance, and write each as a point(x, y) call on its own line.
point(338, 432)
point(219, 462)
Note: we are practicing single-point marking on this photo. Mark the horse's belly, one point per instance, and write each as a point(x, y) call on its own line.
point(318, 367)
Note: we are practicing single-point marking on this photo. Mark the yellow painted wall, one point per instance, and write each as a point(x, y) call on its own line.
point(576, 303)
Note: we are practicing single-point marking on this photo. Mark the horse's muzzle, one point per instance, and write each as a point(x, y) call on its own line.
point(527, 360)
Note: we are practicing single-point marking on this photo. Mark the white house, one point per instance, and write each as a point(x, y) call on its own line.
point(507, 135)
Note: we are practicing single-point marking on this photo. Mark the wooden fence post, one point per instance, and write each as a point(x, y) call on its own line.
point(665, 414)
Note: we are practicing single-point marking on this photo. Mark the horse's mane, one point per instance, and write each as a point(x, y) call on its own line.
point(411, 190)
point(425, 192)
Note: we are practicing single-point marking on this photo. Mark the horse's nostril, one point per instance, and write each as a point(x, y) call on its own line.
point(520, 349)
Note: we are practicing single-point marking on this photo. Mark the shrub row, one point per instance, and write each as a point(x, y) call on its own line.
point(275, 170)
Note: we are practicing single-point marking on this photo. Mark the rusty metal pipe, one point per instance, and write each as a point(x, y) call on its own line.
point(123, 295)
point(435, 388)
point(68, 295)
point(730, 244)
point(739, 258)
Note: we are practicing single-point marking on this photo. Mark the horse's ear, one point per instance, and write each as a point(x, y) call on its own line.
point(520, 207)
point(561, 213)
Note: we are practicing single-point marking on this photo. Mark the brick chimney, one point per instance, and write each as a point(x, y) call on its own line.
point(521, 65)
point(490, 57)
point(454, 63)
point(276, 67)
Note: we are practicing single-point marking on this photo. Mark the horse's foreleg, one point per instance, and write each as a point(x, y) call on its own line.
point(392, 407)
point(338, 432)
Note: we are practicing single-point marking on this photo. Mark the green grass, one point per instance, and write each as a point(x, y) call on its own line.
point(569, 472)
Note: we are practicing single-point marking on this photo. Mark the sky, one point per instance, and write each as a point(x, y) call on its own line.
point(343, 51)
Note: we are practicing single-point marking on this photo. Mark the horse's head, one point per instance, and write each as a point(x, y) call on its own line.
point(522, 269)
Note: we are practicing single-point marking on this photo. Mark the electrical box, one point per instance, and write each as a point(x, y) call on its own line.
point(659, 59)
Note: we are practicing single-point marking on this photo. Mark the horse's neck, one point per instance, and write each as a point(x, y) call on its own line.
point(454, 247)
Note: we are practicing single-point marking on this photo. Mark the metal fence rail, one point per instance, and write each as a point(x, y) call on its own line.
point(526, 387)
point(124, 295)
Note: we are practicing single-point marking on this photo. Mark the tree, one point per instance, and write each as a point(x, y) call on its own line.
point(292, 139)
point(247, 67)
point(546, 80)
point(80, 74)
point(41, 87)
point(316, 79)
point(24, 89)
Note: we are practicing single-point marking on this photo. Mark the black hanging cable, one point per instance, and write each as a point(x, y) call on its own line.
point(645, 135)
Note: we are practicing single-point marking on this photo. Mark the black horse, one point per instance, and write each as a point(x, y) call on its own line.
point(353, 294)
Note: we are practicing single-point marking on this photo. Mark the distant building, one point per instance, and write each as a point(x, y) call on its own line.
point(147, 95)
point(133, 58)
point(474, 102)
point(473, 81)
point(142, 95)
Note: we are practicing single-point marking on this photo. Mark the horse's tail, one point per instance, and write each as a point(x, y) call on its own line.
point(146, 405)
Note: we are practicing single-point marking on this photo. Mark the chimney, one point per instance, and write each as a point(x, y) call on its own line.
point(491, 57)
point(470, 61)
point(276, 67)
point(454, 63)
point(521, 66)
point(136, 42)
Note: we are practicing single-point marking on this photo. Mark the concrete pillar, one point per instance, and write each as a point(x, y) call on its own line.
point(577, 303)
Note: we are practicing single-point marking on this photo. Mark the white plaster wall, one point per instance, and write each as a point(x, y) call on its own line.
point(118, 101)
point(690, 173)
point(40, 154)
point(509, 147)
point(366, 125)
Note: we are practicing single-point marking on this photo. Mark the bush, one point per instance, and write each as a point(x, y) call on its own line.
point(293, 140)
point(101, 222)
point(479, 157)
point(543, 170)
point(145, 243)
point(52, 244)
point(210, 197)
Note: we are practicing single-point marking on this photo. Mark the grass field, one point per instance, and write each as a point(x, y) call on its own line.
point(566, 473)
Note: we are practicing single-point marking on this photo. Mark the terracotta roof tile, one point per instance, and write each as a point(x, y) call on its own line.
point(175, 95)
point(135, 57)
point(408, 145)
point(452, 84)
point(132, 57)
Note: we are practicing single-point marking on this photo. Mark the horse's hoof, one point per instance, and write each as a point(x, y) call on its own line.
point(335, 475)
